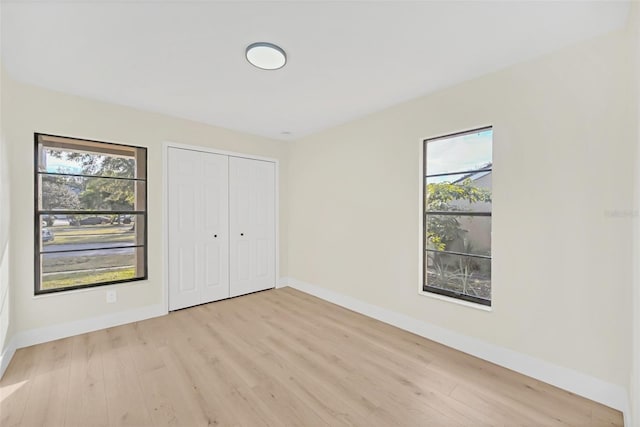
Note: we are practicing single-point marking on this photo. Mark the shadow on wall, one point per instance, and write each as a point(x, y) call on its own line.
point(4, 248)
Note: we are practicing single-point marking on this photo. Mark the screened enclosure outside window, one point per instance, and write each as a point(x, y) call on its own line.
point(90, 213)
point(457, 215)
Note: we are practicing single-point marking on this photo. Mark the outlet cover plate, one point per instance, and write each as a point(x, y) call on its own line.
point(112, 296)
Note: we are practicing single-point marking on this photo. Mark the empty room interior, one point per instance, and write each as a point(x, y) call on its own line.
point(259, 213)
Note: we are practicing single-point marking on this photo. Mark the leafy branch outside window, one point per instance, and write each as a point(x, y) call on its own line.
point(90, 213)
point(446, 231)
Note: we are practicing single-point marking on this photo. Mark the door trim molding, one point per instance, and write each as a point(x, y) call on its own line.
point(165, 205)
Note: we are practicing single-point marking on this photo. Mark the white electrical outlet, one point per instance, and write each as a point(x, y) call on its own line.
point(112, 296)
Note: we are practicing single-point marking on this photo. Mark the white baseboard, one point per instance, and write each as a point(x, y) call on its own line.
point(64, 330)
point(6, 356)
point(581, 384)
point(608, 394)
point(282, 282)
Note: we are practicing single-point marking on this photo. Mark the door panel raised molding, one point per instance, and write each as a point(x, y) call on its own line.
point(221, 224)
point(198, 227)
point(251, 225)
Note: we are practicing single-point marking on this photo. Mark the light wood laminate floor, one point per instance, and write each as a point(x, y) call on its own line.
point(274, 358)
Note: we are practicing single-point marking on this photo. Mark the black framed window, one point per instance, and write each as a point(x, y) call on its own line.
point(90, 213)
point(457, 215)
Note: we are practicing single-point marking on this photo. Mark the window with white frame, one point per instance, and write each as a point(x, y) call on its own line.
point(457, 215)
point(90, 213)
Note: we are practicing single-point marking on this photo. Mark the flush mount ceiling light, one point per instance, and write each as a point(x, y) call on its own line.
point(266, 56)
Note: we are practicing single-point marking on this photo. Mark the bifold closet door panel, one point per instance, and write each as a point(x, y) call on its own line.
point(198, 227)
point(252, 225)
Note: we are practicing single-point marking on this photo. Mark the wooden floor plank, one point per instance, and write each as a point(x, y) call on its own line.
point(87, 401)
point(274, 358)
point(50, 387)
point(162, 398)
point(125, 398)
point(16, 384)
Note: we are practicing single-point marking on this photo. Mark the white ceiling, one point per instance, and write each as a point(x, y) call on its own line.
point(346, 59)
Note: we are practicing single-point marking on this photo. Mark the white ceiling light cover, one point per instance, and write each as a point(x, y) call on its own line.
point(266, 56)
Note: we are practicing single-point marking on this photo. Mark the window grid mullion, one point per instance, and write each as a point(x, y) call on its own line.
point(75, 279)
point(477, 276)
point(75, 212)
point(77, 175)
point(459, 253)
point(468, 172)
point(457, 213)
point(102, 248)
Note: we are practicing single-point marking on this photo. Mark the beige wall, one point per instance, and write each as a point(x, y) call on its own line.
point(634, 389)
point(564, 159)
point(562, 180)
point(29, 109)
point(6, 325)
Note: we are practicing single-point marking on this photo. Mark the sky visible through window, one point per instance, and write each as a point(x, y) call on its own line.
point(458, 154)
point(56, 165)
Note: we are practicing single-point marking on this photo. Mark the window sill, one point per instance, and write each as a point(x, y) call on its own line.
point(90, 289)
point(455, 301)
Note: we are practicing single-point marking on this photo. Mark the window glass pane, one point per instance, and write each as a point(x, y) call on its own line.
point(464, 275)
point(464, 234)
point(461, 192)
point(86, 229)
point(458, 182)
point(81, 162)
point(75, 193)
point(78, 268)
point(82, 232)
point(460, 153)
point(46, 234)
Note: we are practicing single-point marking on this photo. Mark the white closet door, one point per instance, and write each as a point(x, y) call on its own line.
point(252, 225)
point(198, 227)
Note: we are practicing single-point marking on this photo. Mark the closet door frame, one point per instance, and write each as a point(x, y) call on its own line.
point(165, 206)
